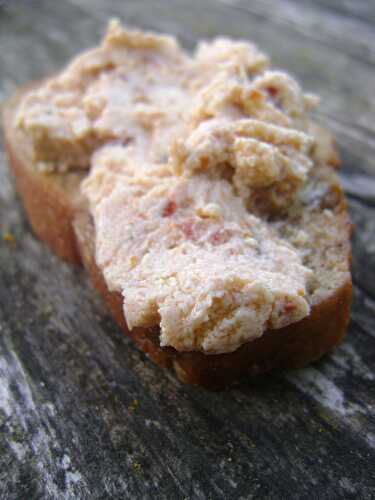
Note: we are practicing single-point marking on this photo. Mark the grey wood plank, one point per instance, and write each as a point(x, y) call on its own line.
point(357, 9)
point(317, 24)
point(69, 379)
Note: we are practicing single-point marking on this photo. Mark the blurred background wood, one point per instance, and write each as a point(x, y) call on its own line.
point(83, 414)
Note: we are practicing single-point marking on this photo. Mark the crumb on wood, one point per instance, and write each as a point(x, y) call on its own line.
point(133, 405)
point(137, 467)
point(46, 311)
point(9, 238)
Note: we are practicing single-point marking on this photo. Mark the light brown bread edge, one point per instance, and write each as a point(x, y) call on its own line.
point(49, 205)
point(61, 221)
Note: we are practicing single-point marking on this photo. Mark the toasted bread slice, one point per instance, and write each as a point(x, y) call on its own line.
point(59, 216)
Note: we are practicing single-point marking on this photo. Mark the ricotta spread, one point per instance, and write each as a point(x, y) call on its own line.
point(188, 156)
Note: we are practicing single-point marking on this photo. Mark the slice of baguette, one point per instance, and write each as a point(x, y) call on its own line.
point(58, 215)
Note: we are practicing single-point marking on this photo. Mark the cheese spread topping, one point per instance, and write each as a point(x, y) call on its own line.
point(189, 256)
point(188, 156)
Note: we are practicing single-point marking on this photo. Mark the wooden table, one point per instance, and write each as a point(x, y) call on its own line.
point(83, 414)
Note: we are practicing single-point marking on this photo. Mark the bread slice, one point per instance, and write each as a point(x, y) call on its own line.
point(59, 216)
point(50, 199)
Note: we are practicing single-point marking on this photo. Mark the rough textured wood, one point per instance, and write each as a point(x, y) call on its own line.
point(82, 413)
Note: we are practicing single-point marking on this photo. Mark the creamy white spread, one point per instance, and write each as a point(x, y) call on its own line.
point(187, 155)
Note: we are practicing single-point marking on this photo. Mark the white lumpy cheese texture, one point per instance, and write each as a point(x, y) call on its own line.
point(188, 255)
point(188, 156)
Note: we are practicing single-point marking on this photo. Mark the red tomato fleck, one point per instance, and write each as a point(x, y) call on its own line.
point(272, 91)
point(219, 237)
point(289, 307)
point(188, 229)
point(169, 209)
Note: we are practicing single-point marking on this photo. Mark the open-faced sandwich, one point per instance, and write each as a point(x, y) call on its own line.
point(198, 194)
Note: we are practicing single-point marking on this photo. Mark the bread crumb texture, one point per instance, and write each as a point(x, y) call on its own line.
point(201, 170)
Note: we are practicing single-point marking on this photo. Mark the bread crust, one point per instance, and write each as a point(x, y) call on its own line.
point(48, 210)
point(59, 218)
point(49, 206)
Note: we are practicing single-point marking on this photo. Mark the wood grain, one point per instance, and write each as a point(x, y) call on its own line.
point(83, 414)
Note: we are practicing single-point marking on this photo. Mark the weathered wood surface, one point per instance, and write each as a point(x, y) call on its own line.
point(83, 414)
